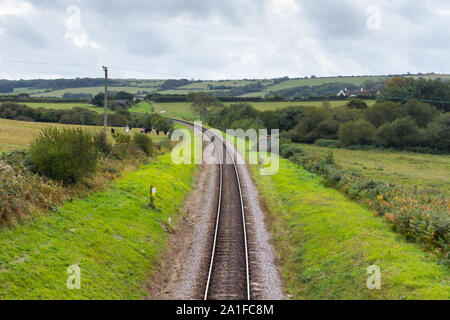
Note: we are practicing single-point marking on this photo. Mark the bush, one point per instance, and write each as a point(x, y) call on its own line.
point(289, 150)
point(143, 142)
point(71, 118)
point(329, 143)
point(421, 113)
point(381, 113)
point(437, 133)
point(358, 132)
point(114, 120)
point(68, 155)
point(357, 104)
point(400, 133)
point(102, 144)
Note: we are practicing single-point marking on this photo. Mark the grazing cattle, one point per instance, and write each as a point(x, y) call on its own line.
point(128, 131)
point(113, 131)
point(157, 132)
point(142, 130)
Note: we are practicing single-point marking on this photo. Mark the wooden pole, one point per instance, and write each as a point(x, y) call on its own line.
point(105, 120)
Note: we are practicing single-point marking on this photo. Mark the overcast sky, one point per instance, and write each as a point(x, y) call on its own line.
point(223, 39)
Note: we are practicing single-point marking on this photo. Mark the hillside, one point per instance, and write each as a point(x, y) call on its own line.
point(290, 87)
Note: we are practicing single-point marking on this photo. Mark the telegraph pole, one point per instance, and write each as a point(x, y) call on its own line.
point(105, 120)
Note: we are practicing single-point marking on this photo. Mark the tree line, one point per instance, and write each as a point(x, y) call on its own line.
point(82, 116)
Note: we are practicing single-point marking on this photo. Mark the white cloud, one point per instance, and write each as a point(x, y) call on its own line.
point(14, 8)
point(284, 8)
point(81, 40)
point(443, 12)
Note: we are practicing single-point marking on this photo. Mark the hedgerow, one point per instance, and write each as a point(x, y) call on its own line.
point(424, 219)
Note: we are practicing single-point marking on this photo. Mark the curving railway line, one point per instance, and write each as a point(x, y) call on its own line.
point(228, 277)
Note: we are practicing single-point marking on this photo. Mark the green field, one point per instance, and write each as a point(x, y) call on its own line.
point(91, 90)
point(150, 86)
point(112, 236)
point(430, 173)
point(263, 106)
point(357, 81)
point(183, 109)
point(325, 244)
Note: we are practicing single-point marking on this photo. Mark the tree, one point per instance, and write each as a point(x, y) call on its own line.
point(396, 82)
point(434, 92)
point(122, 95)
point(421, 113)
point(400, 133)
point(357, 104)
point(201, 102)
point(98, 99)
point(382, 112)
point(357, 132)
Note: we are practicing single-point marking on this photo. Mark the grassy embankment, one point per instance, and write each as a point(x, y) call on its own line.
point(114, 238)
point(326, 242)
point(430, 173)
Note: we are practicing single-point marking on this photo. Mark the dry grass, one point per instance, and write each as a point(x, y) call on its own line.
point(18, 134)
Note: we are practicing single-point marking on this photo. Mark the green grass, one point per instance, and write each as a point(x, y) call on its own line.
point(180, 109)
point(90, 90)
point(326, 242)
point(430, 173)
point(319, 81)
point(183, 109)
point(111, 235)
point(141, 107)
point(263, 106)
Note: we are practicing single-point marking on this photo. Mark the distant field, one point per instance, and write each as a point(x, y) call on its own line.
point(183, 109)
point(319, 81)
point(141, 107)
point(180, 109)
point(91, 90)
point(263, 106)
point(150, 86)
point(19, 134)
point(427, 172)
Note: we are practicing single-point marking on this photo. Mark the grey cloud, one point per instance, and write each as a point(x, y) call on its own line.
point(234, 38)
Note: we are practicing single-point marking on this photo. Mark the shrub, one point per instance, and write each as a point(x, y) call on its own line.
point(102, 144)
point(328, 129)
point(357, 104)
point(437, 133)
point(421, 113)
point(68, 155)
point(329, 143)
point(289, 150)
point(143, 142)
point(400, 133)
point(381, 113)
point(357, 132)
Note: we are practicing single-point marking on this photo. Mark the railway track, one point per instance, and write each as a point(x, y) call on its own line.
point(228, 275)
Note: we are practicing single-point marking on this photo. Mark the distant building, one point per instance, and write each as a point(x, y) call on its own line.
point(354, 93)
